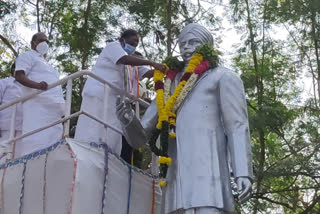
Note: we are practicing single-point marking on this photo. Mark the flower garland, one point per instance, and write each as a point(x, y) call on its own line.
point(204, 58)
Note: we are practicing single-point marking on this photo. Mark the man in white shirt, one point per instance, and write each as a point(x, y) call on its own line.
point(9, 91)
point(110, 66)
point(34, 72)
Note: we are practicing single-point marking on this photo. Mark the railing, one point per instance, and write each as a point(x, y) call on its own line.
point(5, 145)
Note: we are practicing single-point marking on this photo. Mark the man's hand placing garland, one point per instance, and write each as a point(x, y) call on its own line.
point(124, 111)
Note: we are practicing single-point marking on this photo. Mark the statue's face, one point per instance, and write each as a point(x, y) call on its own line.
point(188, 45)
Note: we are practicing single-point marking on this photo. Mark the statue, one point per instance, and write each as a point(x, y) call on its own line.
point(211, 130)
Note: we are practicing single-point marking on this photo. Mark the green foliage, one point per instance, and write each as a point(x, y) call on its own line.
point(6, 8)
point(209, 53)
point(284, 130)
point(173, 62)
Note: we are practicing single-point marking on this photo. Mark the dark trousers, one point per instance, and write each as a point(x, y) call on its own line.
point(127, 150)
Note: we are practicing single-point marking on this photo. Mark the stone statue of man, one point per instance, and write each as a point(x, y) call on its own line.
point(211, 128)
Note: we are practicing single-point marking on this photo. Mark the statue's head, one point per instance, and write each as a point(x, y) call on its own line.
point(192, 36)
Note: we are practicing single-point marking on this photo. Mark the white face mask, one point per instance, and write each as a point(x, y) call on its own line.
point(42, 48)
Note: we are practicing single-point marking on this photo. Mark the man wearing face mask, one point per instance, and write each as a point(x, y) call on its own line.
point(110, 66)
point(34, 73)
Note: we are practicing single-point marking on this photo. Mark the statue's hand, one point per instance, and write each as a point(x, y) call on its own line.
point(124, 111)
point(245, 188)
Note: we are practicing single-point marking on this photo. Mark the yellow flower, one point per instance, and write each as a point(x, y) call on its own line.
point(167, 67)
point(172, 135)
point(172, 118)
point(158, 76)
point(174, 97)
point(165, 160)
point(172, 121)
point(195, 60)
point(162, 117)
point(161, 110)
point(163, 182)
point(171, 114)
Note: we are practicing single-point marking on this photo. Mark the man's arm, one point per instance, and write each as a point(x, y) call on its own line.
point(24, 80)
point(148, 74)
point(136, 61)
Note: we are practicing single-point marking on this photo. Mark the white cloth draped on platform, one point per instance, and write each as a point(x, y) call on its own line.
point(37, 115)
point(89, 130)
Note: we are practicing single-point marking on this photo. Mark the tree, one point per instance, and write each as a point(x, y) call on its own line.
point(285, 151)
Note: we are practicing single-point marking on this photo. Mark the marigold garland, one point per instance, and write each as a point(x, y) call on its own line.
point(165, 160)
point(204, 58)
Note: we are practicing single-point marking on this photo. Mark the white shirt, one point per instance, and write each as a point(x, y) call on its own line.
point(37, 69)
point(9, 91)
point(107, 68)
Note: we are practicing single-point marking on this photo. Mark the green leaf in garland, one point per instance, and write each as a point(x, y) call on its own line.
point(209, 53)
point(174, 62)
point(153, 140)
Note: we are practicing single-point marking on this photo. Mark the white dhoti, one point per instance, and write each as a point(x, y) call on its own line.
point(37, 115)
point(15, 147)
point(89, 130)
point(200, 210)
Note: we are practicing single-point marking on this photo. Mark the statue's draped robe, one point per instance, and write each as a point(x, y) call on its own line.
point(211, 125)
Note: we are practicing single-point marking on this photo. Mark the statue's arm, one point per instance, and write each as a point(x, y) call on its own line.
point(235, 120)
point(138, 132)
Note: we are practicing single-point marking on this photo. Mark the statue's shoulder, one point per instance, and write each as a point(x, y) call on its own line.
point(223, 73)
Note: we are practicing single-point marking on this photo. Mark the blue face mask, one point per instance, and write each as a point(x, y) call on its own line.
point(129, 48)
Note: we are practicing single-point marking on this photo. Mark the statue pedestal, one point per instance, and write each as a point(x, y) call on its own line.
point(76, 178)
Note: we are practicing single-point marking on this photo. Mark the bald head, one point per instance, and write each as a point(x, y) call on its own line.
point(37, 38)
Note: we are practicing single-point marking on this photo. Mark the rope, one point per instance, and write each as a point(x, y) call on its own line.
point(2, 190)
point(75, 163)
point(98, 146)
point(153, 196)
point(14, 146)
point(132, 158)
point(129, 191)
point(44, 185)
point(106, 164)
point(137, 80)
point(22, 188)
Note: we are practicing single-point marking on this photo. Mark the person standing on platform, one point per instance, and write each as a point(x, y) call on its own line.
point(35, 73)
point(10, 90)
point(109, 66)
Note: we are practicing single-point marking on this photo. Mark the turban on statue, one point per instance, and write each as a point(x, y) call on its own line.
point(198, 31)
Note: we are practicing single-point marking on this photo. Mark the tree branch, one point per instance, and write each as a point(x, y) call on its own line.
point(38, 16)
point(273, 201)
point(33, 4)
point(7, 43)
